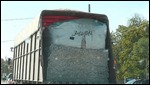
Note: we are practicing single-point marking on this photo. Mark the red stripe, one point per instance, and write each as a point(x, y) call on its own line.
point(54, 20)
point(60, 17)
point(47, 20)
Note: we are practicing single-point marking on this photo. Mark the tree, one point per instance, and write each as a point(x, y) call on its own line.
point(5, 68)
point(131, 46)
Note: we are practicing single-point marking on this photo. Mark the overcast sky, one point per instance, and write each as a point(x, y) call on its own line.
point(118, 13)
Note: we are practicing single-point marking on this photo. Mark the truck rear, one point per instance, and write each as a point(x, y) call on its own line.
point(65, 47)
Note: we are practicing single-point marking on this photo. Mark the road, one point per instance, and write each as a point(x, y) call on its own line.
point(3, 82)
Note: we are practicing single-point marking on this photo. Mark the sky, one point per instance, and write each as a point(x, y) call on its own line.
point(118, 13)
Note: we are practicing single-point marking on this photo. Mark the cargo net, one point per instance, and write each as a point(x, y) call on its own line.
point(75, 65)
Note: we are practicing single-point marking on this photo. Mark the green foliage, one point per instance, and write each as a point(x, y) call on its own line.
point(5, 68)
point(131, 47)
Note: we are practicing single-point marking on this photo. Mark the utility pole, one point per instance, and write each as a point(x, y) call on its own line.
point(89, 8)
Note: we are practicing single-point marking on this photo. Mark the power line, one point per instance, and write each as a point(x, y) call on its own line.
point(7, 41)
point(16, 19)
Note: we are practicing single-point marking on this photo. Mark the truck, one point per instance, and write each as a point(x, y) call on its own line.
point(64, 47)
